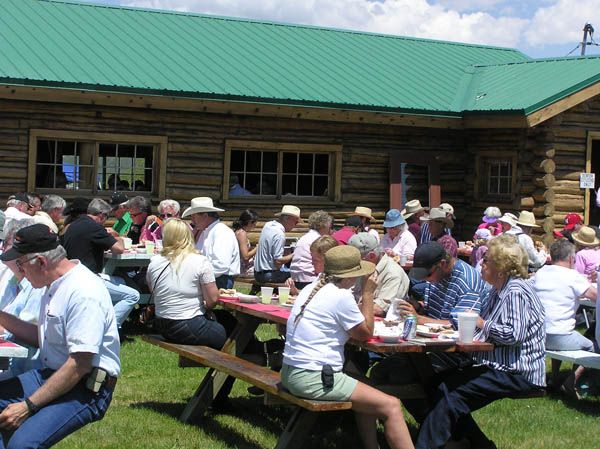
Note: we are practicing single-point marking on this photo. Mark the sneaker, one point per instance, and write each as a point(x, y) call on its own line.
point(255, 391)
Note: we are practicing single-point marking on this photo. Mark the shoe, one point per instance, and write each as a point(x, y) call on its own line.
point(255, 391)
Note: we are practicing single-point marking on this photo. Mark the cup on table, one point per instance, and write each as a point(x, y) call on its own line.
point(266, 294)
point(284, 294)
point(149, 248)
point(462, 244)
point(466, 326)
point(403, 260)
point(127, 242)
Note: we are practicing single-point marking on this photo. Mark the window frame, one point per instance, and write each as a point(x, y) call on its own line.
point(481, 191)
point(335, 170)
point(159, 158)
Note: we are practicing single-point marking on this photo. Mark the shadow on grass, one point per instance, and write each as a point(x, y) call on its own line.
point(586, 406)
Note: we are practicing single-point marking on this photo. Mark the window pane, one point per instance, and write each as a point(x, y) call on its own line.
point(290, 162)
point(321, 183)
point(305, 185)
point(505, 169)
point(306, 163)
point(288, 185)
point(237, 161)
point(253, 183)
point(269, 162)
point(268, 185)
point(504, 186)
point(322, 164)
point(253, 161)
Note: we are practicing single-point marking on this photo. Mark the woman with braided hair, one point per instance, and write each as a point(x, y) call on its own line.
point(323, 318)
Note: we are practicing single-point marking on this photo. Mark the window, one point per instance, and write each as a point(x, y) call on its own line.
point(281, 170)
point(496, 176)
point(93, 163)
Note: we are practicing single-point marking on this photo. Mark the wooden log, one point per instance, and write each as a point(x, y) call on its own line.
point(527, 188)
point(569, 175)
point(545, 152)
point(527, 202)
point(548, 225)
point(545, 166)
point(544, 210)
point(545, 181)
point(544, 196)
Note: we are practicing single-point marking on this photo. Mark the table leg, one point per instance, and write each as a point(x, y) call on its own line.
point(213, 380)
point(297, 428)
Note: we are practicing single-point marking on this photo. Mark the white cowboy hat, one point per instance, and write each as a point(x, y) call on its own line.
point(363, 212)
point(526, 218)
point(411, 208)
point(447, 208)
point(586, 236)
point(289, 210)
point(437, 214)
point(508, 218)
point(200, 204)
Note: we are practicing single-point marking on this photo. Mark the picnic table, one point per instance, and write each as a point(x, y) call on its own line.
point(133, 260)
point(9, 349)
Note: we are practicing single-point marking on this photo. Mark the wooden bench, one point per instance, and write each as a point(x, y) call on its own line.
point(301, 421)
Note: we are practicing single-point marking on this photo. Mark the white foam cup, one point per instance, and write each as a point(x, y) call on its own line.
point(466, 326)
point(266, 294)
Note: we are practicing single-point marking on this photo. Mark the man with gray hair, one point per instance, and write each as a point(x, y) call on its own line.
point(86, 239)
point(51, 212)
point(139, 209)
point(78, 341)
point(17, 207)
point(392, 281)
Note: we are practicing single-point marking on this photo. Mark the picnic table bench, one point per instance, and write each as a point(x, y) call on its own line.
point(580, 357)
point(262, 377)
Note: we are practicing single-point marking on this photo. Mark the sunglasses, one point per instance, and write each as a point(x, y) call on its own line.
point(167, 215)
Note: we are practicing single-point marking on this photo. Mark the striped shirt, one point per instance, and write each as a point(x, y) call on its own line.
point(514, 323)
point(463, 290)
point(426, 235)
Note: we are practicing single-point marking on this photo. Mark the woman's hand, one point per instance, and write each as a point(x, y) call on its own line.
point(480, 322)
point(289, 282)
point(150, 219)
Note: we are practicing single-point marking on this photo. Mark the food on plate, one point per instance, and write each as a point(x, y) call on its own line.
point(227, 291)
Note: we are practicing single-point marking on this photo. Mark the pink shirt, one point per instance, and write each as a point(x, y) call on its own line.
point(586, 260)
point(405, 244)
point(302, 268)
point(343, 235)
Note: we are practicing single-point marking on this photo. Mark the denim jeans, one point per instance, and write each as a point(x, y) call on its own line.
point(124, 298)
point(568, 342)
point(275, 276)
point(56, 420)
point(196, 331)
point(224, 281)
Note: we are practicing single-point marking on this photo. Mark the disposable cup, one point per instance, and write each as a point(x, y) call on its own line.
point(462, 244)
point(159, 245)
point(127, 242)
point(403, 260)
point(266, 293)
point(149, 248)
point(466, 326)
point(284, 294)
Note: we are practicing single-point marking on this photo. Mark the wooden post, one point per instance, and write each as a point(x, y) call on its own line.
point(396, 181)
point(435, 190)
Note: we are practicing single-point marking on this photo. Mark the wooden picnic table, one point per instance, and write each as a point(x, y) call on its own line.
point(9, 349)
point(133, 260)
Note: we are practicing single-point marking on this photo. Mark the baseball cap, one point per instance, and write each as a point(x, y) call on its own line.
point(117, 199)
point(572, 220)
point(426, 256)
point(364, 242)
point(22, 196)
point(36, 238)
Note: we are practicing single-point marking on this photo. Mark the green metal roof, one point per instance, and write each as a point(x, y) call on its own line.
point(65, 44)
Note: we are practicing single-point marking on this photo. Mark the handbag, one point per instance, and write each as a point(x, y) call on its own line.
point(148, 314)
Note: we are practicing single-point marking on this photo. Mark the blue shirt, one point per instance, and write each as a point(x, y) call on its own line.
point(270, 246)
point(426, 235)
point(462, 291)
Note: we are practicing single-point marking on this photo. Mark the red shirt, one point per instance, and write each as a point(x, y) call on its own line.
point(343, 235)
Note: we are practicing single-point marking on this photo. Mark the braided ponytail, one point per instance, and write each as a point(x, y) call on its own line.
point(324, 280)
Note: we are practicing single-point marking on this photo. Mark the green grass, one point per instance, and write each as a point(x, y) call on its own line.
point(152, 392)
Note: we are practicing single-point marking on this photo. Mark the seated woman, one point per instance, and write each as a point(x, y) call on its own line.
point(323, 318)
point(398, 240)
point(182, 283)
point(318, 248)
point(587, 257)
point(152, 229)
point(245, 224)
point(513, 320)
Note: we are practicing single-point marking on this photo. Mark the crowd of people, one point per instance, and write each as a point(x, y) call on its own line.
point(52, 287)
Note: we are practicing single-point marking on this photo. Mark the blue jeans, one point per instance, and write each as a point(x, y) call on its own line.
point(225, 281)
point(124, 298)
point(196, 331)
point(56, 420)
point(274, 276)
point(568, 342)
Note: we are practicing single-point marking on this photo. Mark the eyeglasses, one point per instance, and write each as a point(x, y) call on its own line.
point(20, 263)
point(167, 215)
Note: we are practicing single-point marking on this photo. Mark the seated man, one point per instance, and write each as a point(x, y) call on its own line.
point(269, 258)
point(120, 210)
point(392, 281)
point(86, 239)
point(78, 341)
point(352, 226)
point(51, 213)
point(559, 287)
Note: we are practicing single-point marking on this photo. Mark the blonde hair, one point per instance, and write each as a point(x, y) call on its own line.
point(178, 241)
point(323, 244)
point(509, 257)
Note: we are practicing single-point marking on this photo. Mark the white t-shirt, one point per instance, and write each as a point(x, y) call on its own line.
point(320, 335)
point(178, 294)
point(559, 288)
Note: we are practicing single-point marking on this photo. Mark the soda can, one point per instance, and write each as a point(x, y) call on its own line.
point(410, 327)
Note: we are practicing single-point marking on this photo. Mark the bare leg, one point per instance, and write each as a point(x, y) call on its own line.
point(367, 400)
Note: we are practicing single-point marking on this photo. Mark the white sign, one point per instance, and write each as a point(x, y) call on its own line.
point(587, 180)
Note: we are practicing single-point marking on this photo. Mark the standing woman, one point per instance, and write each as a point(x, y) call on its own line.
point(245, 224)
point(323, 318)
point(183, 285)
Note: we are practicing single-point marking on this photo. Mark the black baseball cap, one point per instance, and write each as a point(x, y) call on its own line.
point(36, 238)
point(22, 196)
point(79, 205)
point(426, 256)
point(117, 199)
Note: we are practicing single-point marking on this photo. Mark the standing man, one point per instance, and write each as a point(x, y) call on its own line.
point(215, 240)
point(269, 258)
point(78, 341)
point(86, 239)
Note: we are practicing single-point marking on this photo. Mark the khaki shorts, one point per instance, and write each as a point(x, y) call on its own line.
point(307, 384)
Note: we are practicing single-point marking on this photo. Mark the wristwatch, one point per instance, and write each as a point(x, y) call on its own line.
point(31, 407)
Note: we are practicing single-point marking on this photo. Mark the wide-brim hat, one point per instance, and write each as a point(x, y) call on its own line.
point(411, 208)
point(526, 218)
point(508, 218)
point(344, 261)
point(586, 236)
point(446, 207)
point(393, 218)
point(437, 214)
point(289, 210)
point(200, 204)
point(491, 215)
point(363, 212)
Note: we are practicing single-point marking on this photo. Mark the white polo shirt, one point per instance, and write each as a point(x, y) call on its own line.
point(220, 246)
point(77, 315)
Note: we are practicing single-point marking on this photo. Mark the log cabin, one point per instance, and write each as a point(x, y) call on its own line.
point(97, 98)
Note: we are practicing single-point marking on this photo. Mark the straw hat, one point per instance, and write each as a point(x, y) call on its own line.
point(447, 208)
point(344, 262)
point(437, 214)
point(200, 204)
point(586, 236)
point(411, 208)
point(508, 218)
point(526, 218)
point(363, 212)
point(289, 210)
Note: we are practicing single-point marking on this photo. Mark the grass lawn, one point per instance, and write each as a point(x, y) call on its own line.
point(153, 391)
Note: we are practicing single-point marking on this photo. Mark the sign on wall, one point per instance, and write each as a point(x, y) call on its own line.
point(587, 180)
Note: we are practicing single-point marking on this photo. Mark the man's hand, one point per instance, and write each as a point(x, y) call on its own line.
point(378, 311)
point(112, 232)
point(13, 416)
point(406, 308)
point(370, 284)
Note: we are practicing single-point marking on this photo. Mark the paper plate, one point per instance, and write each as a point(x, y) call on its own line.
point(248, 298)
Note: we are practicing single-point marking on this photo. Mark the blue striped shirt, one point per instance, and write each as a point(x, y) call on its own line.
point(462, 290)
point(514, 323)
point(426, 235)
